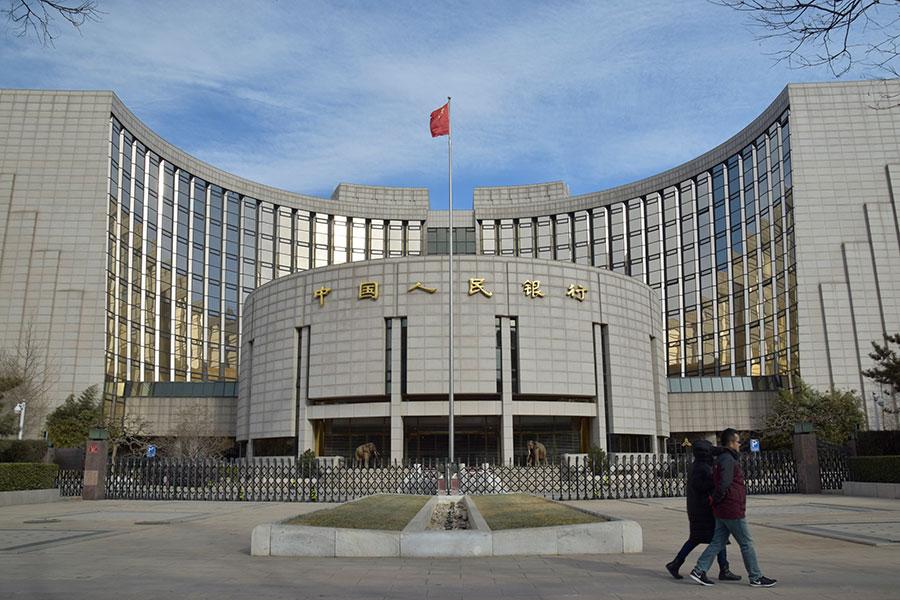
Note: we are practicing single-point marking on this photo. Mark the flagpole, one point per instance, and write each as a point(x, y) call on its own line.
point(450, 287)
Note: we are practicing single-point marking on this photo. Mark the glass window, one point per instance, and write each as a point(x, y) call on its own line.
point(377, 239)
point(526, 237)
point(544, 237)
point(395, 238)
point(507, 237)
point(488, 238)
point(414, 239)
point(357, 239)
point(341, 239)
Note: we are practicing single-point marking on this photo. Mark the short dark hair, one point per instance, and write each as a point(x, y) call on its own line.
point(727, 435)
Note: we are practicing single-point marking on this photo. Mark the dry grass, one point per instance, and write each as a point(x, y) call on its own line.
point(515, 511)
point(388, 513)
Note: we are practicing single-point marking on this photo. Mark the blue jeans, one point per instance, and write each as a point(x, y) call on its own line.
point(689, 546)
point(738, 529)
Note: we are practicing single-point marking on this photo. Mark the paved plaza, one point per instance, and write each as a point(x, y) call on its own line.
point(823, 547)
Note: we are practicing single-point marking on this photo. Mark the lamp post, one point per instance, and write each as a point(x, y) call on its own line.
point(20, 410)
point(879, 408)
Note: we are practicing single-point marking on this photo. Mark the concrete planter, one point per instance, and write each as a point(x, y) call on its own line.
point(872, 489)
point(612, 537)
point(29, 497)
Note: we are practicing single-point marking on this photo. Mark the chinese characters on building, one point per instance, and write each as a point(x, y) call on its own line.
point(531, 288)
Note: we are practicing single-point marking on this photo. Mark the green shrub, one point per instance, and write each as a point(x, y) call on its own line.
point(598, 459)
point(22, 451)
point(27, 476)
point(878, 443)
point(880, 469)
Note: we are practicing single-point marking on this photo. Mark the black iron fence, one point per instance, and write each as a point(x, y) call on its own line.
point(834, 467)
point(266, 480)
point(298, 480)
point(69, 482)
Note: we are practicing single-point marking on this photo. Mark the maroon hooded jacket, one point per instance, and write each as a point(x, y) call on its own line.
point(729, 501)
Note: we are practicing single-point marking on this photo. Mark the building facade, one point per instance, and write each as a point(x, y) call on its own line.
point(133, 265)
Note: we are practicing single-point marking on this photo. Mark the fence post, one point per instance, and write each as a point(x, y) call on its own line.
point(95, 465)
point(806, 459)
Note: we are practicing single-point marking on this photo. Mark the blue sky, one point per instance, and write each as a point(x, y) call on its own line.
point(303, 96)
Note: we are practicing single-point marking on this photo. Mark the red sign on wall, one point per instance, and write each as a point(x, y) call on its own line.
point(93, 448)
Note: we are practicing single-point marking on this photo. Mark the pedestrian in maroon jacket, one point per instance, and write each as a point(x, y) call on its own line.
point(700, 485)
point(729, 501)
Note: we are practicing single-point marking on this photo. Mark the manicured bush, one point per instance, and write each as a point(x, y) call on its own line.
point(22, 451)
point(878, 443)
point(27, 476)
point(880, 469)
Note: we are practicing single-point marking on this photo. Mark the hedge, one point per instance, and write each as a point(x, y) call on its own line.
point(27, 476)
point(880, 469)
point(878, 443)
point(22, 451)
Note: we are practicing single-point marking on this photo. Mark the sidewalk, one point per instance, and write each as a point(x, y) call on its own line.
point(142, 549)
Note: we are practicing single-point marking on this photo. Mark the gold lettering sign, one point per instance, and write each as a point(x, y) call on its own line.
point(368, 289)
point(476, 285)
point(420, 286)
point(532, 289)
point(576, 291)
point(320, 294)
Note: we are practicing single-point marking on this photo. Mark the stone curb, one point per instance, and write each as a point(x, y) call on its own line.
point(29, 497)
point(872, 489)
point(615, 536)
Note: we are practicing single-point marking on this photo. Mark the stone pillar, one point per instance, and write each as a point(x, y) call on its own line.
point(806, 461)
point(95, 462)
point(507, 439)
point(397, 441)
point(598, 423)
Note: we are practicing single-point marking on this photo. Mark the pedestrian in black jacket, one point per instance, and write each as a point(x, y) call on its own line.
point(700, 486)
point(729, 499)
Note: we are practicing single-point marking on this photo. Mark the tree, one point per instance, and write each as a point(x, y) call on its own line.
point(69, 425)
point(887, 359)
point(835, 415)
point(8, 421)
point(36, 16)
point(836, 33)
point(129, 433)
point(28, 365)
point(195, 437)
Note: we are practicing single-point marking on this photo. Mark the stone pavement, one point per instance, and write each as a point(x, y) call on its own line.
point(192, 550)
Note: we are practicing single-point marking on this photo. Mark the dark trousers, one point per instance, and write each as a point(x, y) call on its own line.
point(689, 546)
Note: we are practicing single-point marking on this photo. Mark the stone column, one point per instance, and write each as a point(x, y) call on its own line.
point(95, 461)
point(806, 461)
point(506, 419)
point(397, 440)
point(598, 423)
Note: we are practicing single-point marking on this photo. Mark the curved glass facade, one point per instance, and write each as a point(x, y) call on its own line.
point(183, 253)
point(718, 247)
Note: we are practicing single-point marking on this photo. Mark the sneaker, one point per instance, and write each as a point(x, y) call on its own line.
point(701, 578)
point(672, 568)
point(761, 582)
point(727, 575)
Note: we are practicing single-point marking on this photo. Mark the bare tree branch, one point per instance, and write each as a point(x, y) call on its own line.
point(835, 33)
point(36, 16)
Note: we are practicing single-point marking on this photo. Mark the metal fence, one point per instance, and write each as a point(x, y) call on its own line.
point(69, 482)
point(834, 468)
point(297, 480)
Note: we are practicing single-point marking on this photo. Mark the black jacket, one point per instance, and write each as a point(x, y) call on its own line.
point(699, 487)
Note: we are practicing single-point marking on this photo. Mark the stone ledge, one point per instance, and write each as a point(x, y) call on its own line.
point(29, 497)
point(615, 536)
point(872, 489)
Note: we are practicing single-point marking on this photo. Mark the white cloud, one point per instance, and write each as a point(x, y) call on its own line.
point(304, 95)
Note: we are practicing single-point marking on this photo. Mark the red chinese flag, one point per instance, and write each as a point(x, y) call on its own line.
point(440, 121)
